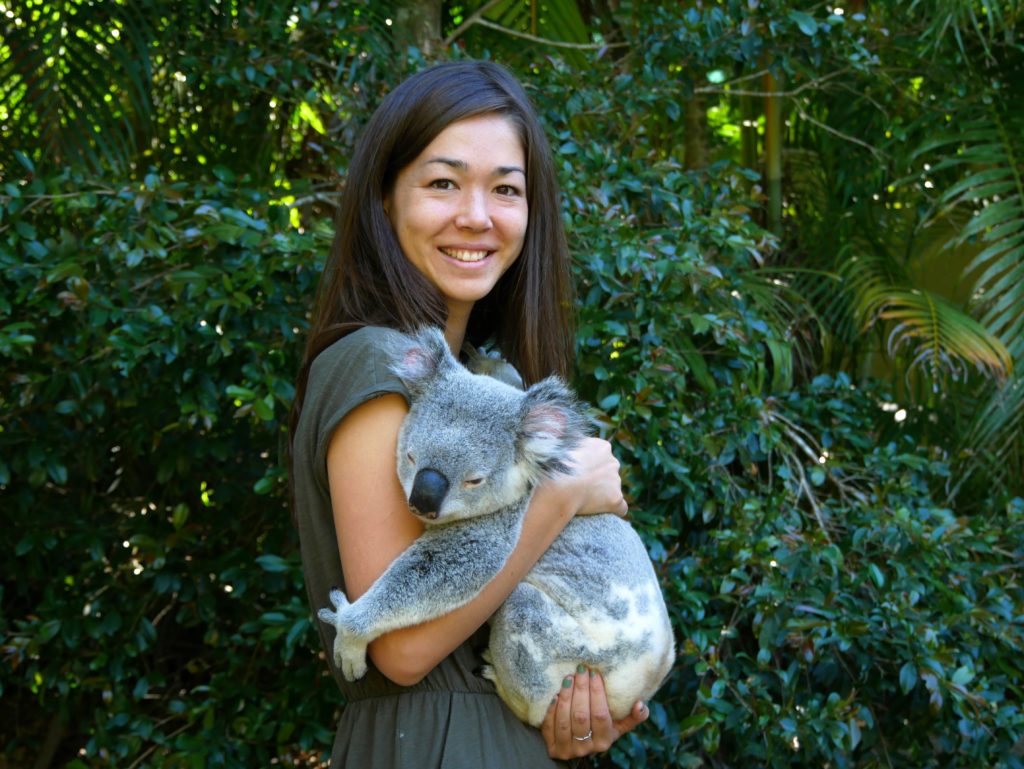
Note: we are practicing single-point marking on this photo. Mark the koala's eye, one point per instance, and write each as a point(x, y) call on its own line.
point(411, 459)
point(472, 483)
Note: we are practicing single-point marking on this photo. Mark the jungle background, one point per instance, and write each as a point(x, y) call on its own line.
point(798, 232)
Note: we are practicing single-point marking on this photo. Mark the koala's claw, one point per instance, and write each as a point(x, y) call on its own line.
point(349, 647)
point(338, 599)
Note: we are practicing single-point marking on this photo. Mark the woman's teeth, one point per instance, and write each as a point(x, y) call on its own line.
point(464, 256)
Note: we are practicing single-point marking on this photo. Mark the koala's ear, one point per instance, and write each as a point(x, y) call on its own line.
point(551, 426)
point(426, 356)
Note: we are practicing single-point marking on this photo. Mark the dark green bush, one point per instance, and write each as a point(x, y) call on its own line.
point(150, 338)
point(831, 608)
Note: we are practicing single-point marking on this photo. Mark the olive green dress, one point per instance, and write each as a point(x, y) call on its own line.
point(452, 718)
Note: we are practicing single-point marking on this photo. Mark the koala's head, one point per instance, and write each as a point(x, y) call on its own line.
point(471, 444)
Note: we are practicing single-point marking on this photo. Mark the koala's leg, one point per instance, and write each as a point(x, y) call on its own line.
point(534, 645)
point(442, 570)
point(349, 644)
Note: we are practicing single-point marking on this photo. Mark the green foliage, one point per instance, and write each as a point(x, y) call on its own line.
point(119, 87)
point(150, 337)
point(834, 605)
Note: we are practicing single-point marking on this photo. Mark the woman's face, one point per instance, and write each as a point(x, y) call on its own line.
point(460, 210)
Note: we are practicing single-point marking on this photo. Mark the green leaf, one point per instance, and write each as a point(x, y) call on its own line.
point(908, 677)
point(963, 676)
point(179, 517)
point(25, 230)
point(805, 21)
point(264, 408)
point(25, 161)
point(57, 471)
point(876, 575)
point(273, 563)
point(242, 393)
point(48, 630)
point(309, 115)
point(264, 485)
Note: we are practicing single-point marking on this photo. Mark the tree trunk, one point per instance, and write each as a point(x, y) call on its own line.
point(418, 23)
point(48, 749)
point(695, 133)
point(748, 131)
point(773, 152)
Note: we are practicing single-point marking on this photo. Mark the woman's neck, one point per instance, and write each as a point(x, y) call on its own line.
point(455, 326)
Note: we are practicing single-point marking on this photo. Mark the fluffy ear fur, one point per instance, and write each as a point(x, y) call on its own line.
point(551, 426)
point(426, 356)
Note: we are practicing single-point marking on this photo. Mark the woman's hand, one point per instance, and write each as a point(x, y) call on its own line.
point(578, 722)
point(594, 484)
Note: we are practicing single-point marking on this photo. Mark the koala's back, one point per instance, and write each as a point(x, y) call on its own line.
point(592, 598)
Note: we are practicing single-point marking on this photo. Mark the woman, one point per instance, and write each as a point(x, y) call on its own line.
point(449, 217)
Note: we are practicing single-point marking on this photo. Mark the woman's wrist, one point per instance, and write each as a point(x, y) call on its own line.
point(557, 496)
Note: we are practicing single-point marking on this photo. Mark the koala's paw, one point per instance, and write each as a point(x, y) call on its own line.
point(486, 672)
point(349, 647)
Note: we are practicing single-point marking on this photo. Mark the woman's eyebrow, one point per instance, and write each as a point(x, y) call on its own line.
point(462, 165)
point(506, 170)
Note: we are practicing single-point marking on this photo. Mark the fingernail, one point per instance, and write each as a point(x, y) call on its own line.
point(643, 706)
point(592, 674)
point(567, 682)
point(580, 668)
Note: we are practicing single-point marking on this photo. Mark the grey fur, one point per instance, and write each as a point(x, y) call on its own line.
point(592, 598)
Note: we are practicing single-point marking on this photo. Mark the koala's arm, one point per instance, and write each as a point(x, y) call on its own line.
point(374, 527)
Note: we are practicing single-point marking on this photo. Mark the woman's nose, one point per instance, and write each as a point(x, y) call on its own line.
point(473, 213)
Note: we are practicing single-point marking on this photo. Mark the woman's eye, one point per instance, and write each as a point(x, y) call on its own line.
point(443, 184)
point(470, 483)
point(509, 191)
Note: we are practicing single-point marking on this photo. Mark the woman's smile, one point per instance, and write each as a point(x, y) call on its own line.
point(467, 254)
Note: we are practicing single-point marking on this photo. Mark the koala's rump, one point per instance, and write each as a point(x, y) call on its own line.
point(593, 598)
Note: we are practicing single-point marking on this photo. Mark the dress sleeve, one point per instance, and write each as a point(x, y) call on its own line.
point(353, 370)
point(345, 375)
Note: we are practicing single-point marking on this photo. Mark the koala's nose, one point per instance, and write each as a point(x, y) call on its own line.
point(428, 491)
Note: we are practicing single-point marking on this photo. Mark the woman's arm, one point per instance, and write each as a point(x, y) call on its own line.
point(374, 526)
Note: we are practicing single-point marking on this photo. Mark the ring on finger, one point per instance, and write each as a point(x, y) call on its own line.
point(585, 737)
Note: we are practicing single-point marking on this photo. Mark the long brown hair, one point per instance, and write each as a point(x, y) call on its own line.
point(368, 281)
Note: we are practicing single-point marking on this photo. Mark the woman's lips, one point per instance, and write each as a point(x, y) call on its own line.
point(465, 254)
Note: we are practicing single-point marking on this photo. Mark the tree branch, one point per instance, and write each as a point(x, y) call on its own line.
point(846, 137)
point(469, 22)
point(477, 18)
point(724, 88)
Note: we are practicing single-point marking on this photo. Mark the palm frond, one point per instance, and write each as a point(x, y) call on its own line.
point(991, 447)
point(792, 319)
point(508, 22)
point(987, 151)
point(984, 21)
point(75, 83)
point(940, 335)
point(940, 338)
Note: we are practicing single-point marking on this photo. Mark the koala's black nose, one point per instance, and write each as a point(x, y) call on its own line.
point(428, 491)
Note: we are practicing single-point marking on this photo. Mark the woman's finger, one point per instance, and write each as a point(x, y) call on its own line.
point(582, 730)
point(637, 716)
point(600, 717)
point(547, 726)
point(562, 730)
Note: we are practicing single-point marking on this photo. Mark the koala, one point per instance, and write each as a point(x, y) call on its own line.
point(470, 453)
